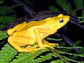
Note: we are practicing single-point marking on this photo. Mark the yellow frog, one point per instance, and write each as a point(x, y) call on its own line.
point(27, 34)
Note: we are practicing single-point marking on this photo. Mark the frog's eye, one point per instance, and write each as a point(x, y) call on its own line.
point(61, 20)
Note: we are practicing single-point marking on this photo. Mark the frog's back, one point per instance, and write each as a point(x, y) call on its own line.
point(35, 23)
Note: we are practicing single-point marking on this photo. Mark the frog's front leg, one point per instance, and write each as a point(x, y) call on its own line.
point(16, 42)
point(38, 37)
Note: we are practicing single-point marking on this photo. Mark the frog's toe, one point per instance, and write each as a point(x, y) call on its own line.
point(50, 44)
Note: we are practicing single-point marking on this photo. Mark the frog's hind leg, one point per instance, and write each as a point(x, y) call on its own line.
point(21, 41)
point(16, 28)
point(50, 44)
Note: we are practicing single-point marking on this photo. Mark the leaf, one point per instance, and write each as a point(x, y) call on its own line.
point(1, 1)
point(52, 8)
point(6, 19)
point(42, 58)
point(83, 14)
point(53, 39)
point(28, 57)
point(69, 59)
point(73, 13)
point(81, 50)
point(77, 42)
point(64, 5)
point(61, 52)
point(57, 61)
point(78, 3)
point(3, 35)
point(5, 10)
point(1, 26)
point(7, 53)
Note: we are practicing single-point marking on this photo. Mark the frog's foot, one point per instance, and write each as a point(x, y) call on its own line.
point(50, 44)
point(47, 44)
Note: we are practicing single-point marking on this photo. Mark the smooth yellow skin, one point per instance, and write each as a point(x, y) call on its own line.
point(27, 34)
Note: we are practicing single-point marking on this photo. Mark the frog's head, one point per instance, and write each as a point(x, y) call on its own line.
point(61, 20)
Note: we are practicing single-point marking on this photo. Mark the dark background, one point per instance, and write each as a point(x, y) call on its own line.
point(72, 31)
